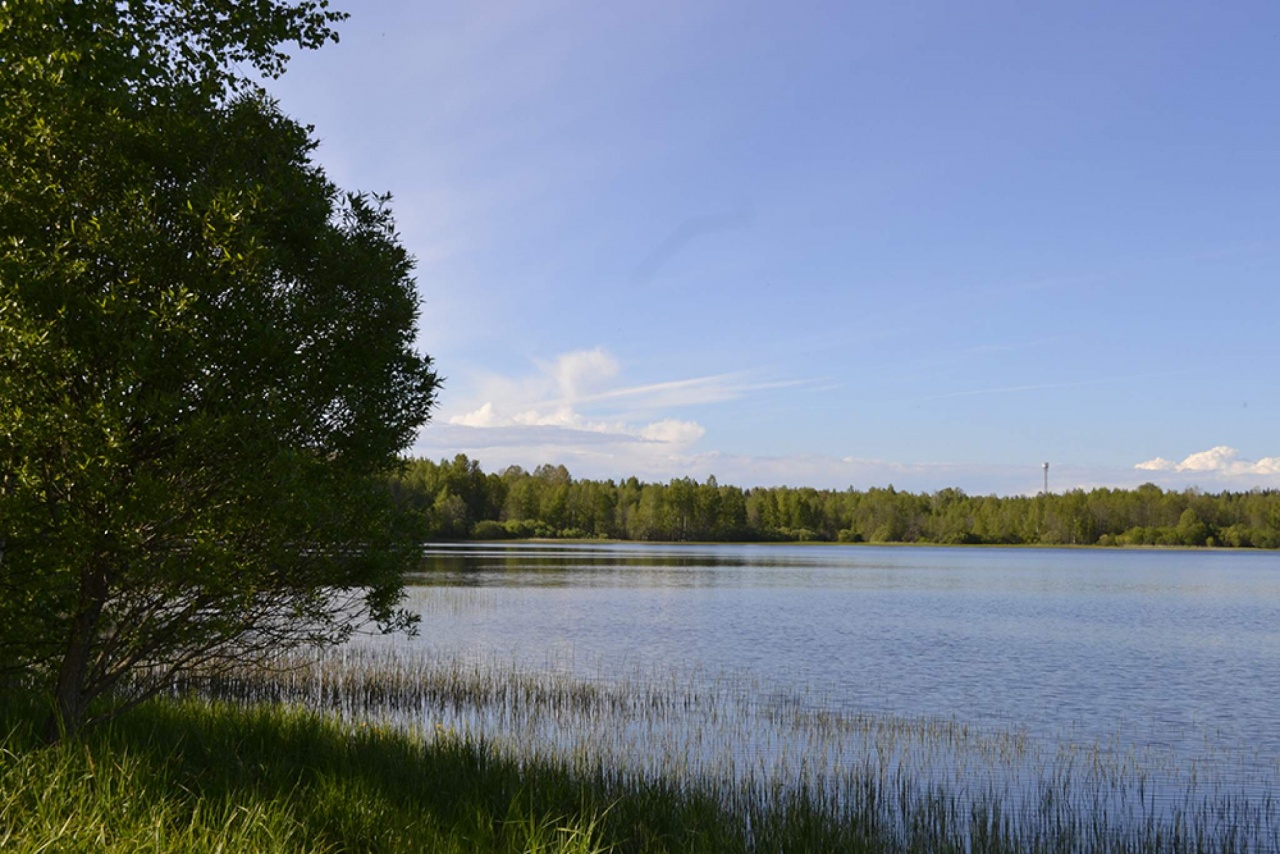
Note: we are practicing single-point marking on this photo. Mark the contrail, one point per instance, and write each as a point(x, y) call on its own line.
point(686, 233)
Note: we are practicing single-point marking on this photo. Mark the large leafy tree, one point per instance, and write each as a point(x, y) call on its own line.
point(206, 355)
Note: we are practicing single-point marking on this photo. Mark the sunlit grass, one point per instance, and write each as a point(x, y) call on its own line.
point(190, 775)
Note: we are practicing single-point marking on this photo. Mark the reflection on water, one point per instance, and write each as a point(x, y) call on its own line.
point(1158, 646)
point(1139, 683)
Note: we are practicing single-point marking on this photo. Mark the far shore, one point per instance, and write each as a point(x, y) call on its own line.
point(893, 545)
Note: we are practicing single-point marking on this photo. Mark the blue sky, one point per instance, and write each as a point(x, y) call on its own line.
point(929, 244)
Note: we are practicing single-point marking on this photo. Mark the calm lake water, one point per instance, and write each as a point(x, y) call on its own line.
point(1141, 686)
point(1162, 647)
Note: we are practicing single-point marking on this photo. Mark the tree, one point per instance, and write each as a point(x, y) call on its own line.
point(449, 515)
point(206, 356)
point(1191, 529)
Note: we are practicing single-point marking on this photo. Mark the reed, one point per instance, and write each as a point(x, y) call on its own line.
point(724, 763)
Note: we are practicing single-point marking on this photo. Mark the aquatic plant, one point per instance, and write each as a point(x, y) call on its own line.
point(786, 767)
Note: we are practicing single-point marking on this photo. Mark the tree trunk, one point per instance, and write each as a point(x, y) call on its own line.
point(72, 694)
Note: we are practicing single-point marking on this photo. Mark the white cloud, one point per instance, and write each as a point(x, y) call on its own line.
point(1219, 458)
point(674, 431)
point(1221, 461)
point(580, 371)
point(482, 417)
point(577, 409)
point(578, 393)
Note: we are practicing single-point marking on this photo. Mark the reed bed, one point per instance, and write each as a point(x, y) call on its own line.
point(755, 768)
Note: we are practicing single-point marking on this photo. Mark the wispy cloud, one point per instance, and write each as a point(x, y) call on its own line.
point(579, 393)
point(716, 388)
point(684, 234)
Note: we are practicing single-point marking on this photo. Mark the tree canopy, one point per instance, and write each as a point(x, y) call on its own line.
point(456, 499)
point(207, 362)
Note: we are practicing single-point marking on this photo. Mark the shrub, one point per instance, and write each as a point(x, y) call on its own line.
point(488, 529)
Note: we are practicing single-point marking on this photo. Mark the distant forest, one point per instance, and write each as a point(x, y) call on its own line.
point(457, 500)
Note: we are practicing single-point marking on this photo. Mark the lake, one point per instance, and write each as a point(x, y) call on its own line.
point(1140, 683)
point(1165, 643)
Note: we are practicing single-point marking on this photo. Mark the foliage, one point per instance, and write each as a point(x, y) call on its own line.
point(206, 360)
point(550, 503)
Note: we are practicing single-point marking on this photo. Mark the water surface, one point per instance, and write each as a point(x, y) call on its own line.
point(1176, 649)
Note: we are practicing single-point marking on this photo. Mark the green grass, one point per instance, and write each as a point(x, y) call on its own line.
point(196, 776)
point(250, 774)
point(669, 764)
point(192, 775)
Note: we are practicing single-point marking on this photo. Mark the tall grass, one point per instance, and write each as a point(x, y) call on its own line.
point(373, 752)
point(384, 748)
point(720, 764)
point(187, 776)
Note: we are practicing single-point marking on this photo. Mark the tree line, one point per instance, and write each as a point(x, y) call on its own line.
point(456, 499)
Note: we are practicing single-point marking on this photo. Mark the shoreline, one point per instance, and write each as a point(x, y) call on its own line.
point(895, 544)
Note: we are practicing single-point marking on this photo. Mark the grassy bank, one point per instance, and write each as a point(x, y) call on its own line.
point(248, 773)
point(675, 764)
point(197, 776)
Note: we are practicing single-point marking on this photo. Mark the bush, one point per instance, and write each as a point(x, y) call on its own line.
point(489, 530)
point(521, 529)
